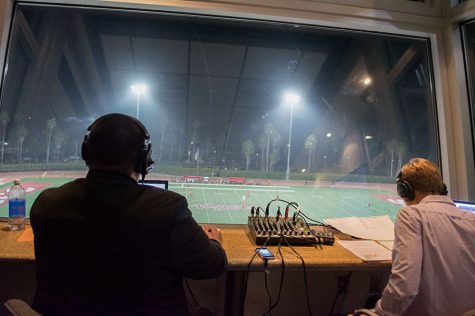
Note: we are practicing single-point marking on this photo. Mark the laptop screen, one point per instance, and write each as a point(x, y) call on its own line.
point(161, 184)
point(468, 206)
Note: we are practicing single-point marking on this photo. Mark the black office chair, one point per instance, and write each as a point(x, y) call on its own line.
point(20, 308)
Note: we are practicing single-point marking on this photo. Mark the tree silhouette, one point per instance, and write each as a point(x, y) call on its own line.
point(391, 146)
point(21, 132)
point(164, 124)
point(274, 158)
point(269, 132)
point(248, 149)
point(50, 124)
point(59, 137)
point(262, 144)
point(310, 145)
point(220, 140)
point(5, 119)
point(400, 152)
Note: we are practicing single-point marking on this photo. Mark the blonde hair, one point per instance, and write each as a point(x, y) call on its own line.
point(423, 175)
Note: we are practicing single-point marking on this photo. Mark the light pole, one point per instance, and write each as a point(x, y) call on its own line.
point(292, 99)
point(138, 90)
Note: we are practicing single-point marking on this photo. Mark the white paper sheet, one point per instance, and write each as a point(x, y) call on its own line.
point(367, 250)
point(373, 227)
point(387, 243)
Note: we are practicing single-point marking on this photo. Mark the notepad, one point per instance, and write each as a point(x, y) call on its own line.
point(373, 227)
point(367, 250)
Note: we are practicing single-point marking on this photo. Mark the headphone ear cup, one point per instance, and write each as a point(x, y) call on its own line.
point(444, 190)
point(84, 154)
point(144, 160)
point(404, 190)
point(148, 163)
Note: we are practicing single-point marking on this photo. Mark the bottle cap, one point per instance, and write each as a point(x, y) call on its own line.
point(16, 182)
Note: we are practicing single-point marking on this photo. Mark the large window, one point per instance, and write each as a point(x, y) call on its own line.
point(248, 109)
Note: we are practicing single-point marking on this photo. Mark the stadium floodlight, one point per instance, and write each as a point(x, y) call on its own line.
point(138, 90)
point(291, 99)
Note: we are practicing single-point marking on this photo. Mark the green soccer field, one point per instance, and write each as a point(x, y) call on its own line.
point(231, 204)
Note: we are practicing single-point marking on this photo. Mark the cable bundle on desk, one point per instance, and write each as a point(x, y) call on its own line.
point(256, 214)
point(297, 230)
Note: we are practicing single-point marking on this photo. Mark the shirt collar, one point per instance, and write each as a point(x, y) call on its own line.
point(109, 175)
point(437, 199)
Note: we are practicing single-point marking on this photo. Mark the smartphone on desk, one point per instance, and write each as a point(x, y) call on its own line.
point(265, 253)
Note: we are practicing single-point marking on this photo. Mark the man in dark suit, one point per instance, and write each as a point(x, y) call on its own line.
point(105, 245)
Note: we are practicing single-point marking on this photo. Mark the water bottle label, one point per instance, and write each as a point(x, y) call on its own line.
point(16, 208)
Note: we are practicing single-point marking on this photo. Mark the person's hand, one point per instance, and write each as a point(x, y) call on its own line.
point(213, 233)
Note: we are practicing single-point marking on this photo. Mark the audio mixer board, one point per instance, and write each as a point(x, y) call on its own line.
point(296, 232)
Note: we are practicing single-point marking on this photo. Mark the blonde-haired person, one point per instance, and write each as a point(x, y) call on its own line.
point(433, 269)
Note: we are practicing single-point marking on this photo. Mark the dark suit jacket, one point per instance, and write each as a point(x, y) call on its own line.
point(105, 245)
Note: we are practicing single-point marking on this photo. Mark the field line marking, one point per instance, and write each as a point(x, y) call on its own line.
point(204, 198)
point(224, 202)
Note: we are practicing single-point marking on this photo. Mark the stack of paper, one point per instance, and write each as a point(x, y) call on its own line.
point(379, 230)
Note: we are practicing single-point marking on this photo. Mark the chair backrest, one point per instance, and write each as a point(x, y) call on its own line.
point(20, 308)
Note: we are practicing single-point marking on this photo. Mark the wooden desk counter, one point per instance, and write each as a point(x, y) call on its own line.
point(327, 262)
point(11, 249)
point(239, 246)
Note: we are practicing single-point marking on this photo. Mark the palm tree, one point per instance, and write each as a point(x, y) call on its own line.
point(5, 119)
point(51, 124)
point(59, 138)
point(164, 126)
point(391, 147)
point(400, 152)
point(262, 144)
point(220, 140)
point(20, 133)
point(248, 149)
point(274, 158)
point(208, 143)
point(310, 144)
point(269, 132)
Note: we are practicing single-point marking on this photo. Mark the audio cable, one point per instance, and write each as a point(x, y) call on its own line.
point(247, 272)
point(279, 251)
point(304, 274)
point(341, 291)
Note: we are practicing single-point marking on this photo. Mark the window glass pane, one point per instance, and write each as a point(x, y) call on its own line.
point(468, 31)
point(323, 117)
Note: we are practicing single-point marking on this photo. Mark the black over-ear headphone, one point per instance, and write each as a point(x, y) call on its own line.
point(143, 162)
point(406, 192)
point(404, 188)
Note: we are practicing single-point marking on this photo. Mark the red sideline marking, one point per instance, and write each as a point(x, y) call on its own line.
point(220, 207)
point(393, 199)
point(237, 180)
point(30, 187)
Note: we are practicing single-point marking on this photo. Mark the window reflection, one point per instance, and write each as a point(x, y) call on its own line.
point(215, 99)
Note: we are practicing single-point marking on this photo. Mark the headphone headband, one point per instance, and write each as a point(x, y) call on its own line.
point(406, 192)
point(143, 162)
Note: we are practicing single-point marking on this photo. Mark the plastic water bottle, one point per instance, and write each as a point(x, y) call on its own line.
point(16, 206)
